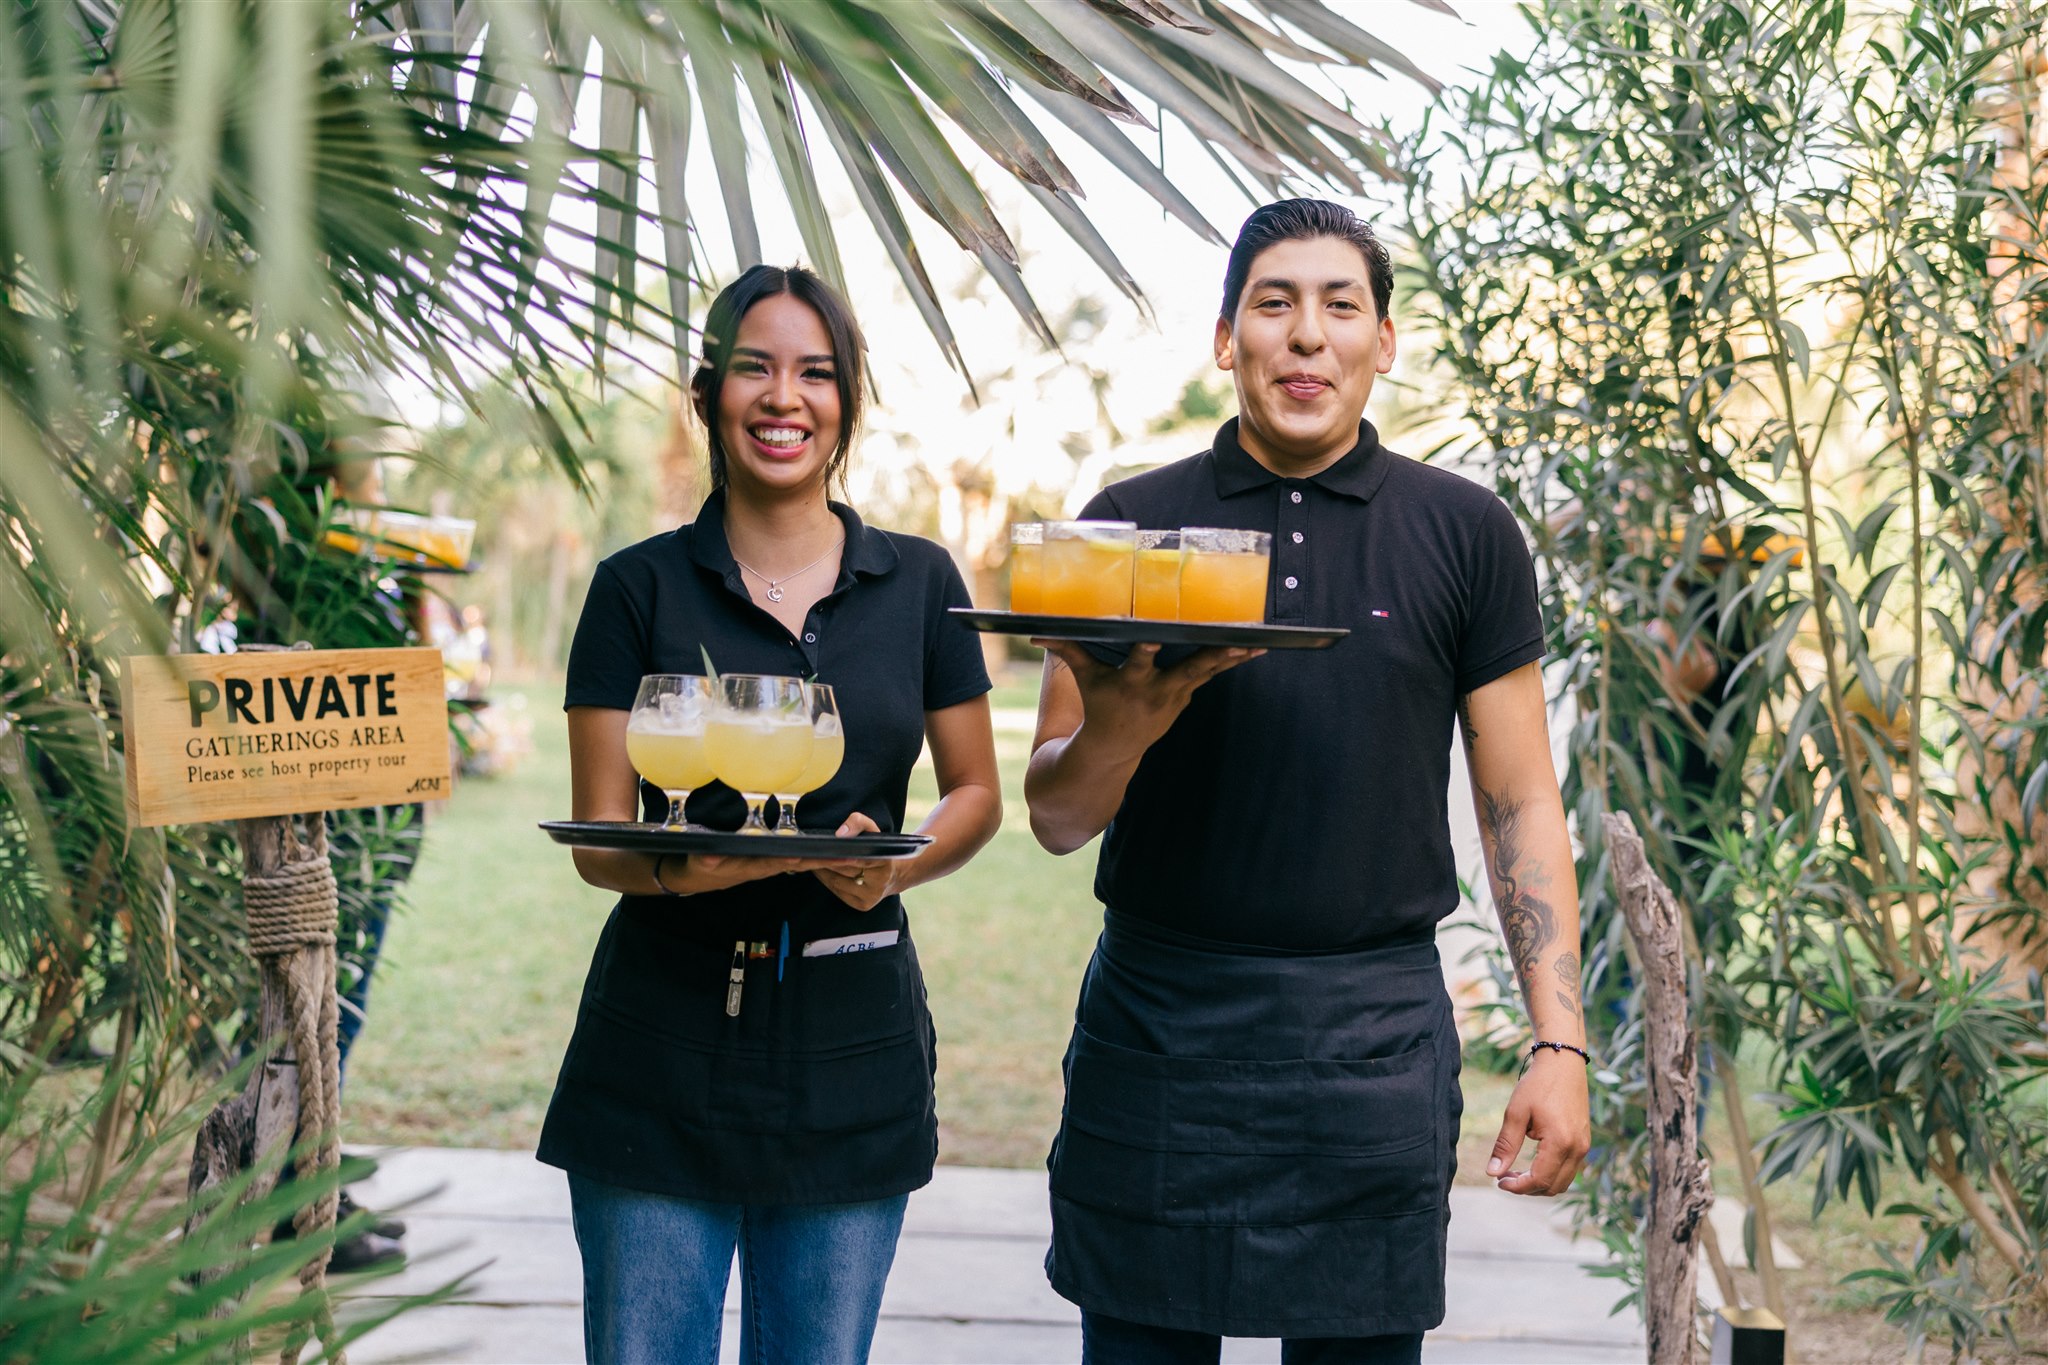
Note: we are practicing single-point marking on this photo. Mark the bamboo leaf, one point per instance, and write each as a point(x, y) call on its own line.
point(618, 216)
point(1012, 284)
point(1046, 36)
point(1268, 39)
point(913, 148)
point(1245, 63)
point(775, 100)
point(1125, 58)
point(1347, 39)
point(995, 121)
point(882, 210)
point(1069, 216)
point(1119, 151)
point(668, 131)
point(712, 66)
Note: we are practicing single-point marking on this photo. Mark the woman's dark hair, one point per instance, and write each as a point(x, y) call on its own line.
point(721, 335)
point(1293, 220)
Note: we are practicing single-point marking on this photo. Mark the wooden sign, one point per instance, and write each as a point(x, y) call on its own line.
point(231, 736)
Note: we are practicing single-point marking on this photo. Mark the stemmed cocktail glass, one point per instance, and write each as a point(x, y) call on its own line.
point(759, 738)
point(665, 737)
point(828, 751)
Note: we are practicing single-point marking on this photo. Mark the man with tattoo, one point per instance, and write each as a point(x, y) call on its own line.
point(1262, 1088)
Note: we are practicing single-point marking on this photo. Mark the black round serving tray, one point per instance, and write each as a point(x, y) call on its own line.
point(634, 836)
point(1130, 630)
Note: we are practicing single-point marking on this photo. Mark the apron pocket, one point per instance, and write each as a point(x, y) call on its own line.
point(700, 1083)
point(842, 1001)
point(1208, 1140)
point(748, 1090)
point(870, 1088)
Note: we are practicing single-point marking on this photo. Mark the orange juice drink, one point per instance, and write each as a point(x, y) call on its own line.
point(1027, 573)
point(1155, 587)
point(758, 752)
point(673, 759)
point(1088, 567)
point(1223, 575)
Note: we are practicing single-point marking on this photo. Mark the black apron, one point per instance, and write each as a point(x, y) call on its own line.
point(819, 1091)
point(1257, 1144)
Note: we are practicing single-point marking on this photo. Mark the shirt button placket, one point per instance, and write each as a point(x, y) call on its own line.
point(1288, 561)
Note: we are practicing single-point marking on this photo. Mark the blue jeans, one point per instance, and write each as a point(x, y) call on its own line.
point(1112, 1341)
point(655, 1269)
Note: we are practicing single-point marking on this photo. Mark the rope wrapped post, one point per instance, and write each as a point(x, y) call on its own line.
point(290, 901)
point(293, 914)
point(1680, 1189)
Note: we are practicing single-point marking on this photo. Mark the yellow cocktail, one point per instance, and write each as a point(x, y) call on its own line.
point(1089, 567)
point(758, 753)
point(673, 760)
point(665, 736)
point(1027, 573)
point(828, 751)
point(1155, 588)
point(759, 739)
point(1223, 575)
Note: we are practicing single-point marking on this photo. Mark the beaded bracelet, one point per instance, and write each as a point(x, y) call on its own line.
point(1560, 1047)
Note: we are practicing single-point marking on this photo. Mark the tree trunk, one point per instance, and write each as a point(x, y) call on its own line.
point(1680, 1193)
point(560, 551)
point(678, 475)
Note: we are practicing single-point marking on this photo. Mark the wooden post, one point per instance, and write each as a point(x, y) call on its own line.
point(296, 1013)
point(243, 1130)
point(1680, 1190)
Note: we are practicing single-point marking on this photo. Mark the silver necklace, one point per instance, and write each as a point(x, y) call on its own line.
point(775, 584)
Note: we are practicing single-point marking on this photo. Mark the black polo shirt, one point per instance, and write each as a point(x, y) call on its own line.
point(1300, 802)
point(881, 638)
point(819, 1090)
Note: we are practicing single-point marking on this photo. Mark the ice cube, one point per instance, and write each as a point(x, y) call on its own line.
point(826, 727)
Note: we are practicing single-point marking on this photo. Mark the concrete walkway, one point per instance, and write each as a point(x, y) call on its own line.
point(968, 1284)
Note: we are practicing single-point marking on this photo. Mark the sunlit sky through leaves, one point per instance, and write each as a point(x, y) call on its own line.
point(1132, 367)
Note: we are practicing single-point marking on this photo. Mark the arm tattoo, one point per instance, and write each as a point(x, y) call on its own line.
point(1525, 917)
point(1567, 969)
point(1465, 721)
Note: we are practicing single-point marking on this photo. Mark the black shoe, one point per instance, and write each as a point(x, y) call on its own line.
point(383, 1224)
point(390, 1229)
point(364, 1251)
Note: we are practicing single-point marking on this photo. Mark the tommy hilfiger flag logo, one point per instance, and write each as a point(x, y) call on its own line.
point(1377, 612)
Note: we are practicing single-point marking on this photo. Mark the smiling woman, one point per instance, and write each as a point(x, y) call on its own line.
point(779, 390)
point(727, 1085)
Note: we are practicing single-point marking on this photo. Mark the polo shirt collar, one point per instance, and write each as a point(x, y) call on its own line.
point(868, 551)
point(1358, 475)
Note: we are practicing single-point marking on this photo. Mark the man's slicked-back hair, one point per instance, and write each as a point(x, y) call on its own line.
point(1294, 220)
point(722, 334)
